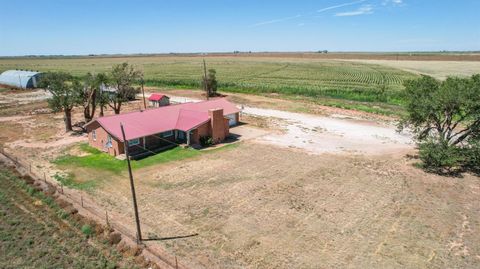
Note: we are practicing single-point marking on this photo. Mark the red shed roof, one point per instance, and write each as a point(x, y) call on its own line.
point(182, 117)
point(156, 97)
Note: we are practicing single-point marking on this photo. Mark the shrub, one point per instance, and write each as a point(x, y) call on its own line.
point(440, 157)
point(206, 141)
point(472, 158)
point(87, 230)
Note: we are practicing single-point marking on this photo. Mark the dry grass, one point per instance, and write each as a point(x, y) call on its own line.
point(259, 206)
point(437, 69)
point(264, 207)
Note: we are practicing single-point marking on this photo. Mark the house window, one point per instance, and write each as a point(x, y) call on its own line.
point(167, 134)
point(94, 135)
point(133, 142)
point(109, 141)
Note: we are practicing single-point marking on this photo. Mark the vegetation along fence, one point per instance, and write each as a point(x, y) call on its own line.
point(88, 208)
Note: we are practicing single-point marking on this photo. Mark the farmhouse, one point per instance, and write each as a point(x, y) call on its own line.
point(158, 100)
point(20, 79)
point(155, 129)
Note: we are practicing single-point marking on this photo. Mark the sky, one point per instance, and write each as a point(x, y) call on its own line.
point(80, 27)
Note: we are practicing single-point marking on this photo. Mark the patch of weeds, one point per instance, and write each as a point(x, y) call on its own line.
point(30, 191)
point(87, 230)
point(68, 181)
point(206, 211)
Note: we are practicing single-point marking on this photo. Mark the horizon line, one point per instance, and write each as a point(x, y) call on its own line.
point(237, 52)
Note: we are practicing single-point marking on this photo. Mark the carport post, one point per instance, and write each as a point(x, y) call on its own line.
point(132, 186)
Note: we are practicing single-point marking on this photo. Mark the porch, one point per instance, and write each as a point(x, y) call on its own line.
point(150, 145)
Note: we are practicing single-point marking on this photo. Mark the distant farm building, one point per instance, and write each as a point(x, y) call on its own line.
point(158, 100)
point(20, 79)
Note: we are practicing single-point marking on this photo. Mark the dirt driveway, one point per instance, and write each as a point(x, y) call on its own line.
point(332, 134)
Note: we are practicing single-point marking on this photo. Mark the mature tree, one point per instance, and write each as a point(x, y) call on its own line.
point(122, 78)
point(91, 93)
point(210, 83)
point(445, 116)
point(103, 99)
point(66, 94)
point(448, 111)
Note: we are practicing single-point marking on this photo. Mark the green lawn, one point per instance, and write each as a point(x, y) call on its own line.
point(103, 164)
point(100, 160)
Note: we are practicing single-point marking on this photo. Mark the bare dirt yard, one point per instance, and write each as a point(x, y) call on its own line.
point(270, 201)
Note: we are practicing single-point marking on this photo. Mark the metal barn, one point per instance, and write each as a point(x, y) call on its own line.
point(20, 79)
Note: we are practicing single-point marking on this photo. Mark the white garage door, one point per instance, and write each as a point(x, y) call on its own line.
point(232, 121)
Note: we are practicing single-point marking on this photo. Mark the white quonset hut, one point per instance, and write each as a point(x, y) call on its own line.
point(20, 79)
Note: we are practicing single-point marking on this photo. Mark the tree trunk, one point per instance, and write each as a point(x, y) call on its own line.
point(89, 109)
point(68, 120)
point(101, 111)
point(117, 108)
point(86, 114)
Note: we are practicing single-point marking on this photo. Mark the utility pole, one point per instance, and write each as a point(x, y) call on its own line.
point(132, 186)
point(207, 92)
point(143, 92)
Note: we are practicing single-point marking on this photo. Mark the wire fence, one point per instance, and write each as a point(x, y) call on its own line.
point(86, 206)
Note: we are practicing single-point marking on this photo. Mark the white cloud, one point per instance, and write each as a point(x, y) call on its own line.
point(363, 10)
point(393, 2)
point(275, 21)
point(342, 5)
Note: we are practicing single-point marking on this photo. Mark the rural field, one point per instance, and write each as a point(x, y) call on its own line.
point(240, 134)
point(371, 83)
point(305, 186)
point(34, 234)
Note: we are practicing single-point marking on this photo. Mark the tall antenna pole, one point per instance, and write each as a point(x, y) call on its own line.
point(143, 92)
point(205, 79)
point(132, 186)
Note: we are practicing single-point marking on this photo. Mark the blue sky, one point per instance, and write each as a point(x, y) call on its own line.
point(144, 26)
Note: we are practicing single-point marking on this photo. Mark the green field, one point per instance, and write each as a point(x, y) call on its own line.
point(290, 76)
point(36, 233)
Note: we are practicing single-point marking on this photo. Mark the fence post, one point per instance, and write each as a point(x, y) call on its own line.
point(61, 187)
point(106, 218)
point(81, 197)
point(176, 262)
point(44, 177)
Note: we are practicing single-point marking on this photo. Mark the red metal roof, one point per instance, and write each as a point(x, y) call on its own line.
point(182, 117)
point(156, 97)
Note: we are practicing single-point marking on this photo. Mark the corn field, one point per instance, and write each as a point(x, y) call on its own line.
point(304, 77)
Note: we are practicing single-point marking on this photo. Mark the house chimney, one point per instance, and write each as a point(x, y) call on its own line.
point(217, 124)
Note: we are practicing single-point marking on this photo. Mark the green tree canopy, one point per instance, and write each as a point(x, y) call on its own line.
point(448, 111)
point(66, 93)
point(445, 116)
point(91, 94)
point(122, 78)
point(210, 83)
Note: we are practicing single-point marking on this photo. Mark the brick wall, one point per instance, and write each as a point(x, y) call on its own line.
point(217, 125)
point(101, 140)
